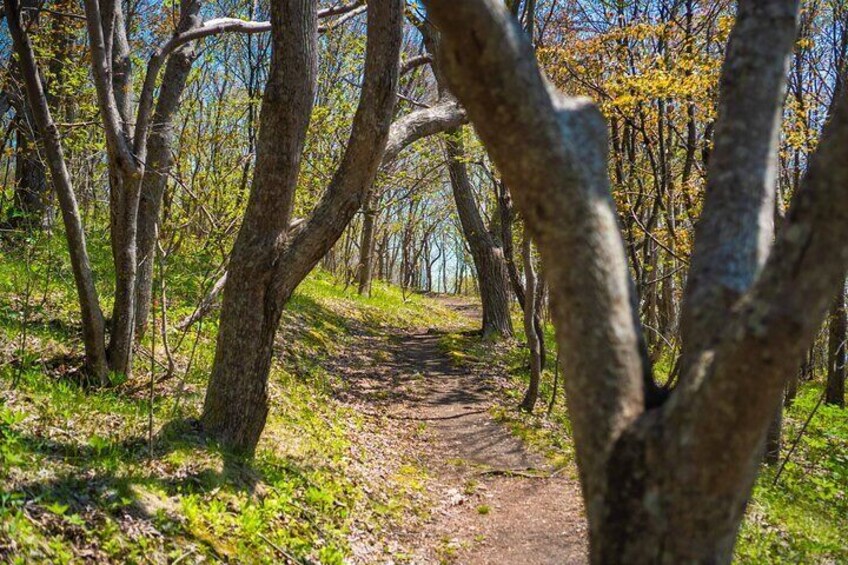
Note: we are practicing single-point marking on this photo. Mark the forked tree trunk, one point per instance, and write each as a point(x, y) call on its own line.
point(109, 54)
point(665, 474)
point(268, 262)
point(488, 256)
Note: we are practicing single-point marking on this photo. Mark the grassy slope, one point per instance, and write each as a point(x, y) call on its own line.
point(81, 480)
point(802, 519)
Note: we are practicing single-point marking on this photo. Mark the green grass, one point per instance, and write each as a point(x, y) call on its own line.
point(82, 480)
point(804, 517)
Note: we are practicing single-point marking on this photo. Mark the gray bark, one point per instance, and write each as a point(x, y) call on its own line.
point(107, 40)
point(91, 315)
point(666, 477)
point(266, 264)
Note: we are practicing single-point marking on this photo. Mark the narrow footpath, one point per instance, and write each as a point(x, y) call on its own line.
point(491, 500)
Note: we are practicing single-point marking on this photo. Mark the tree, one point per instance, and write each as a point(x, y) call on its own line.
point(160, 161)
point(487, 253)
point(268, 261)
point(533, 339)
point(92, 317)
point(836, 357)
point(665, 473)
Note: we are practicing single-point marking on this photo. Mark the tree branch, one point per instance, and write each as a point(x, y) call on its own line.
point(445, 115)
point(209, 28)
point(117, 145)
point(735, 230)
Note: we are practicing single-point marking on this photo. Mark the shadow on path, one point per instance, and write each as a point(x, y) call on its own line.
point(494, 501)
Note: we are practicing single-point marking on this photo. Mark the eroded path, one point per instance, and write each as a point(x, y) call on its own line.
point(490, 500)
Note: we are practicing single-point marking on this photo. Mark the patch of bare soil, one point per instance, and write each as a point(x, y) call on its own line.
point(491, 500)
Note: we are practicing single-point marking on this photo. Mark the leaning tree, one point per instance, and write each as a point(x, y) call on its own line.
point(666, 474)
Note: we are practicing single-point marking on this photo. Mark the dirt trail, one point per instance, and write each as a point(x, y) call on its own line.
point(483, 513)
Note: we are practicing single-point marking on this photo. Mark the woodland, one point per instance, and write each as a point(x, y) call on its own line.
point(423, 281)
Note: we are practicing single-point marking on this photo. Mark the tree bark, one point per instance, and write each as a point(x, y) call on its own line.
point(92, 316)
point(488, 256)
point(107, 42)
point(267, 264)
point(366, 243)
point(236, 399)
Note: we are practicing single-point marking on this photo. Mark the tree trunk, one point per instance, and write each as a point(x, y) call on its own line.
point(267, 262)
point(532, 393)
point(159, 163)
point(366, 244)
point(92, 316)
point(488, 256)
point(507, 217)
point(236, 404)
point(109, 54)
point(837, 336)
point(773, 437)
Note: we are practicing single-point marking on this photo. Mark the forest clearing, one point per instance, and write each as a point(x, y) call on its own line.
point(411, 282)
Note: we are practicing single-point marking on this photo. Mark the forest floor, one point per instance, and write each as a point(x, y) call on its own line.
point(492, 499)
point(393, 437)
